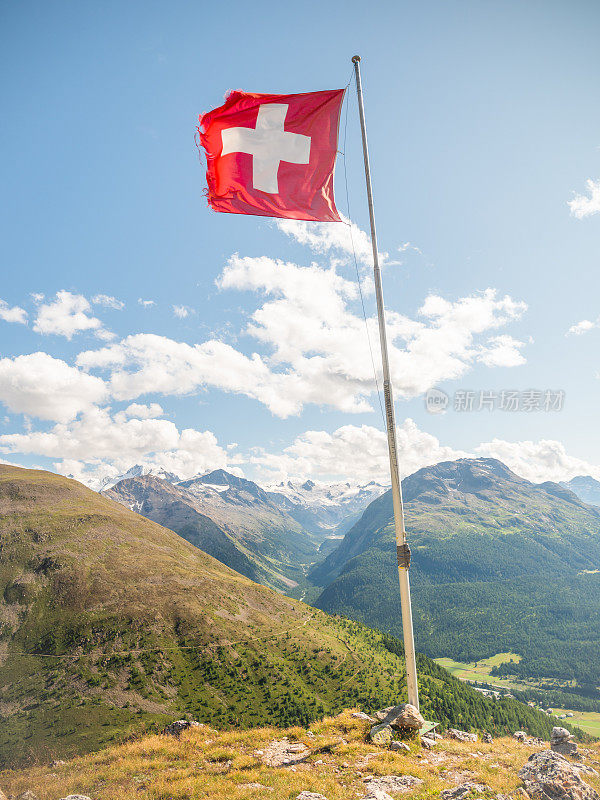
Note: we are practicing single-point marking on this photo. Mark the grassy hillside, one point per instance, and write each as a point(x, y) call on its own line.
point(339, 763)
point(111, 623)
point(498, 564)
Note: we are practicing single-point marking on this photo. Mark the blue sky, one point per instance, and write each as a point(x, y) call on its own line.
point(483, 126)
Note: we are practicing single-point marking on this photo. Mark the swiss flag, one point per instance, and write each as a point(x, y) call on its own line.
point(273, 154)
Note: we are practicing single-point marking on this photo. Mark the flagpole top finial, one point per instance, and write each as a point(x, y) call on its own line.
point(355, 59)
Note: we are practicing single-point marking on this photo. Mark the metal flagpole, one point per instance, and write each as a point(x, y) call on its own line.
point(402, 549)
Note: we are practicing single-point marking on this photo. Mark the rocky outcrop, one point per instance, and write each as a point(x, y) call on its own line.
point(283, 753)
point(563, 742)
point(310, 796)
point(523, 738)
point(391, 784)
point(463, 790)
point(550, 776)
point(461, 736)
point(176, 728)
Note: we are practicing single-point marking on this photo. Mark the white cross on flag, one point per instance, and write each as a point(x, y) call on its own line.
point(273, 155)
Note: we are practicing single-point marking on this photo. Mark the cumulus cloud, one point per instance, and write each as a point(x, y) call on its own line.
point(333, 238)
point(582, 327)
point(310, 325)
point(142, 411)
point(356, 453)
point(48, 388)
point(12, 313)
point(317, 349)
point(146, 363)
point(584, 206)
point(108, 301)
point(544, 460)
point(503, 351)
point(101, 444)
point(67, 315)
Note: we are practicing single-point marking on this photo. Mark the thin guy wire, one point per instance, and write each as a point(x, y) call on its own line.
point(349, 223)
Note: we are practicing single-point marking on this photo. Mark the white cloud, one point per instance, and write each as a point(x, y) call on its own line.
point(582, 206)
point(48, 388)
point(12, 313)
point(181, 311)
point(146, 303)
point(142, 411)
point(310, 326)
point(337, 237)
point(67, 315)
point(318, 350)
point(582, 327)
point(146, 363)
point(100, 444)
point(544, 460)
point(405, 246)
point(358, 453)
point(108, 301)
point(503, 351)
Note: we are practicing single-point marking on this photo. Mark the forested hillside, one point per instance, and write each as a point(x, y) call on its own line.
point(498, 564)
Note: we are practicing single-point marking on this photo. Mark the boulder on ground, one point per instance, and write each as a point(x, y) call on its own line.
point(378, 794)
point(283, 753)
point(400, 747)
point(310, 796)
point(381, 734)
point(461, 736)
point(520, 736)
point(563, 742)
point(402, 716)
point(27, 795)
point(427, 743)
point(176, 728)
point(463, 790)
point(487, 738)
point(76, 797)
point(549, 776)
point(365, 717)
point(391, 783)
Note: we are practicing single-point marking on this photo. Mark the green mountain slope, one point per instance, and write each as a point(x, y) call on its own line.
point(228, 517)
point(112, 623)
point(498, 564)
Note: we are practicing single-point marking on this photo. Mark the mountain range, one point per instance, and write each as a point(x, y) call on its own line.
point(498, 564)
point(586, 488)
point(112, 624)
point(270, 535)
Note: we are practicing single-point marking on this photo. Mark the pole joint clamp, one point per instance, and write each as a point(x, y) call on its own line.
point(403, 553)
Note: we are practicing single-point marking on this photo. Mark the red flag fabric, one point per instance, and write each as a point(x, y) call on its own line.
point(273, 155)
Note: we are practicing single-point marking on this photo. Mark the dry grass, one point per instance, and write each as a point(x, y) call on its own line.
point(205, 763)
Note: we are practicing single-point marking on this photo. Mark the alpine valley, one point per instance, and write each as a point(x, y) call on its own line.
point(271, 536)
point(112, 624)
